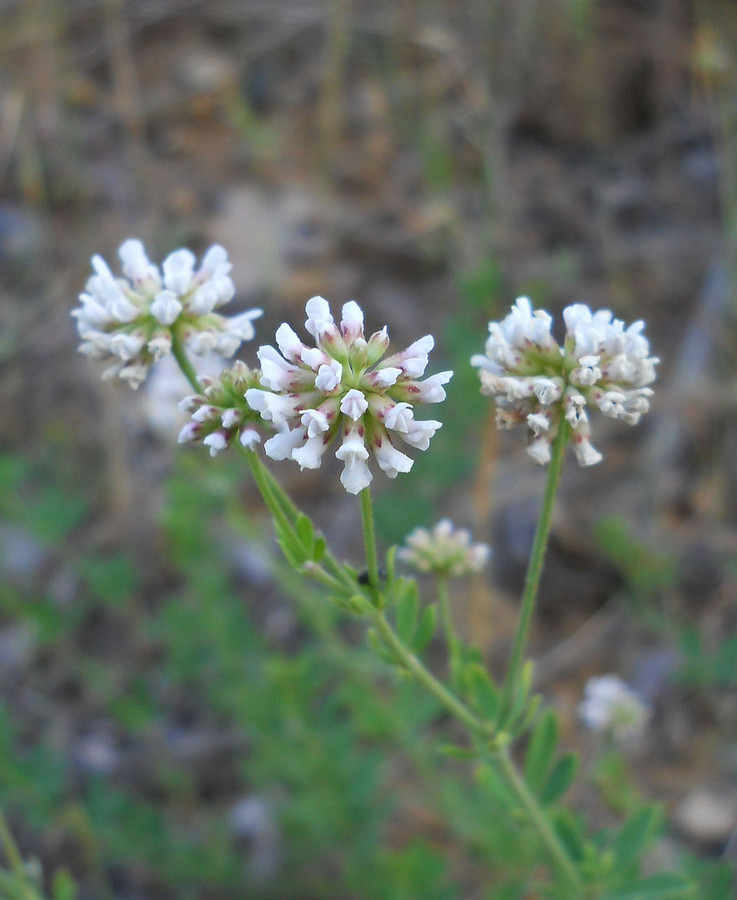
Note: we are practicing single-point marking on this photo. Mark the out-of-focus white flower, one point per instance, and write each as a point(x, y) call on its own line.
point(343, 388)
point(164, 389)
point(220, 415)
point(602, 365)
point(133, 320)
point(445, 549)
point(612, 707)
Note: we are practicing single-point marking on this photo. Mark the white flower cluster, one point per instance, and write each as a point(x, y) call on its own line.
point(134, 319)
point(445, 549)
point(220, 414)
point(533, 380)
point(341, 389)
point(612, 707)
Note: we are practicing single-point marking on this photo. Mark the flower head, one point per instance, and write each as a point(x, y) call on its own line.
point(446, 550)
point(220, 414)
point(612, 707)
point(133, 320)
point(602, 364)
point(344, 388)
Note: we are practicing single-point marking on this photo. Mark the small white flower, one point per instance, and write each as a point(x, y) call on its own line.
point(612, 707)
point(445, 549)
point(133, 320)
point(343, 389)
point(220, 415)
point(532, 379)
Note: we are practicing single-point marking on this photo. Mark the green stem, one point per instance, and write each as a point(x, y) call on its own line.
point(409, 661)
point(258, 470)
point(369, 541)
point(446, 618)
point(556, 851)
point(535, 564)
point(179, 354)
point(286, 513)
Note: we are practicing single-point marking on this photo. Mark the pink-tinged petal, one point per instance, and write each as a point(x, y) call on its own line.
point(319, 318)
point(249, 437)
point(315, 421)
point(329, 376)
point(217, 441)
point(380, 379)
point(399, 417)
point(351, 325)
point(309, 455)
point(289, 343)
point(190, 432)
point(390, 460)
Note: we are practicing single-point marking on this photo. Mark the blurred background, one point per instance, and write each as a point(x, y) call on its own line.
point(180, 718)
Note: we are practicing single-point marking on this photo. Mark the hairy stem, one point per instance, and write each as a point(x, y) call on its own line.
point(369, 542)
point(535, 565)
point(412, 663)
point(557, 853)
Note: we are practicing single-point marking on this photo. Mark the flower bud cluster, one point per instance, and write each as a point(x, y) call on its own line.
point(132, 321)
point(220, 414)
point(612, 707)
point(343, 388)
point(445, 549)
point(602, 365)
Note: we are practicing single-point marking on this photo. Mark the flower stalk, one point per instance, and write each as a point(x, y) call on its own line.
point(535, 566)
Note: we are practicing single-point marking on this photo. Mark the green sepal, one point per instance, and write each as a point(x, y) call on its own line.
point(425, 628)
point(560, 779)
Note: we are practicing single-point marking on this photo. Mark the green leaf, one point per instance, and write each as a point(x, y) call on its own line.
point(425, 628)
point(380, 648)
point(305, 532)
point(408, 607)
point(319, 548)
point(486, 697)
point(491, 781)
point(634, 835)
point(560, 778)
point(540, 750)
point(569, 829)
point(390, 566)
point(665, 886)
